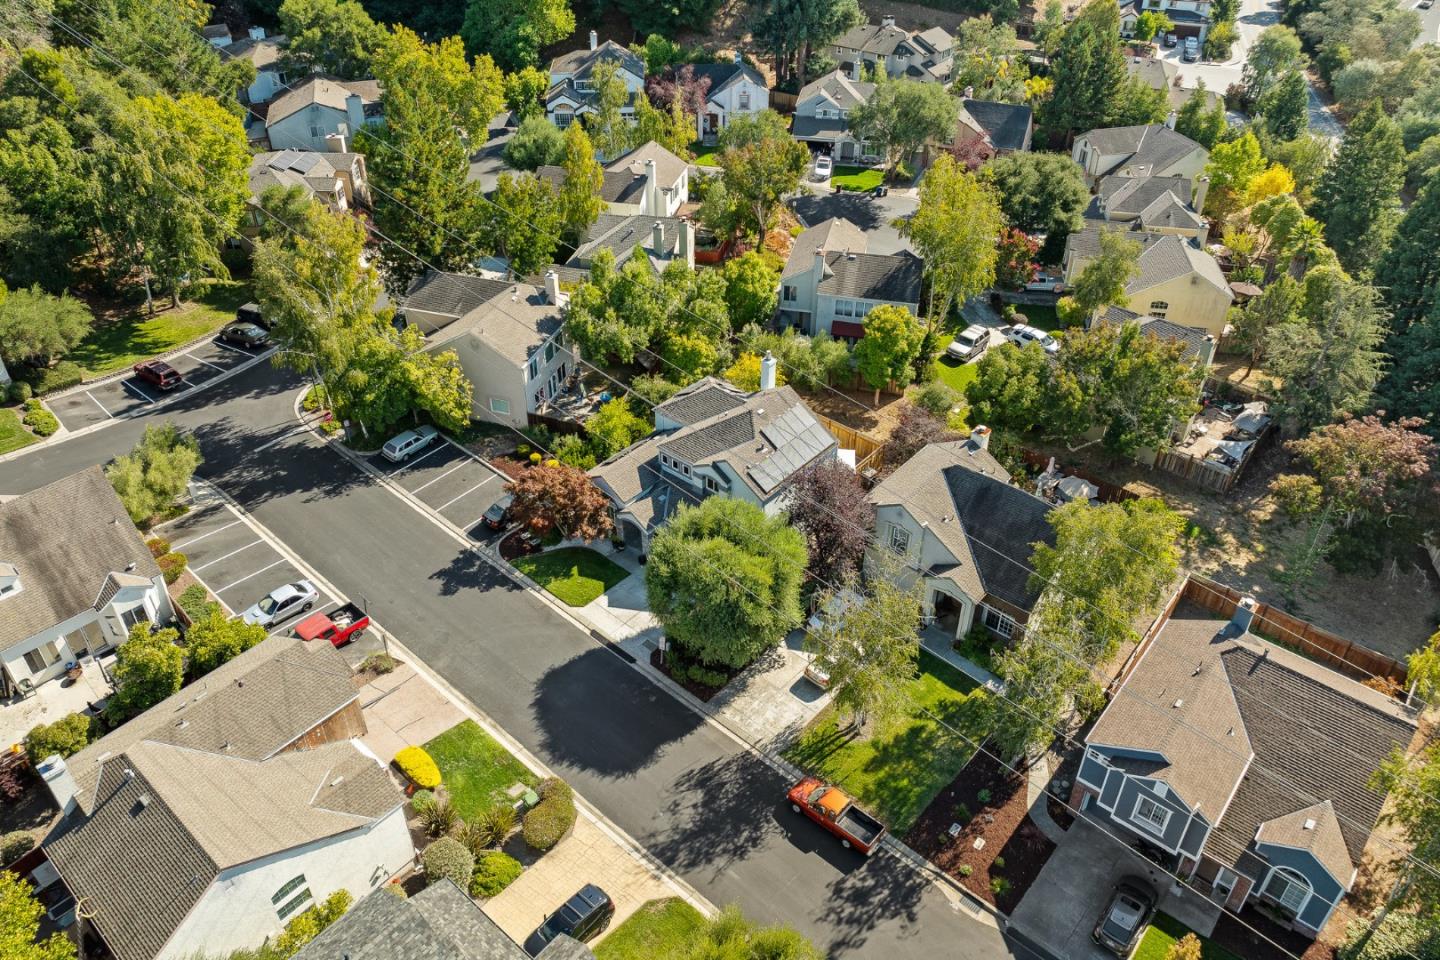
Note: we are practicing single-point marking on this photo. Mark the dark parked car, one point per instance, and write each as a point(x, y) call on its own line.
point(1125, 916)
point(250, 313)
point(158, 374)
point(880, 191)
point(498, 512)
point(582, 917)
point(1171, 39)
point(245, 334)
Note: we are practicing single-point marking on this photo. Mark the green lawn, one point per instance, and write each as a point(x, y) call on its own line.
point(705, 156)
point(575, 575)
point(474, 769)
point(138, 336)
point(656, 931)
point(1164, 931)
point(896, 772)
point(13, 434)
point(857, 178)
point(956, 375)
point(1040, 316)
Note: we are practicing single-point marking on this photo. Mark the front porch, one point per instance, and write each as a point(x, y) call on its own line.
point(50, 701)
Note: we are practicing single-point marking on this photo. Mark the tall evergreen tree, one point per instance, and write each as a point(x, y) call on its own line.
point(1410, 270)
point(1200, 124)
point(1359, 197)
point(1286, 106)
point(1089, 73)
point(1412, 389)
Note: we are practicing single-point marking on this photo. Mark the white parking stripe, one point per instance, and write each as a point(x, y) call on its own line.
point(410, 463)
point(186, 543)
point(228, 555)
point(100, 405)
point(248, 576)
point(465, 494)
point(284, 436)
point(239, 350)
point(462, 463)
point(135, 390)
point(206, 362)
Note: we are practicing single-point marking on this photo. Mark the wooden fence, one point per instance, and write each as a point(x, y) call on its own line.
point(782, 102)
point(1109, 492)
point(869, 452)
point(1305, 638)
point(1208, 473)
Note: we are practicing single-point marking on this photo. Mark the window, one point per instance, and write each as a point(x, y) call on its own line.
point(899, 539)
point(788, 293)
point(998, 623)
point(1158, 308)
point(1288, 889)
point(844, 308)
point(42, 657)
point(500, 406)
point(137, 615)
point(314, 131)
point(291, 897)
point(549, 351)
point(744, 99)
point(712, 485)
point(534, 367)
point(1151, 815)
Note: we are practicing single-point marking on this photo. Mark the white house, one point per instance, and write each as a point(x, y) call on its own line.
point(75, 576)
point(309, 113)
point(1191, 17)
point(822, 117)
point(213, 819)
point(509, 338)
point(830, 283)
point(572, 88)
point(264, 54)
point(736, 89)
point(648, 181)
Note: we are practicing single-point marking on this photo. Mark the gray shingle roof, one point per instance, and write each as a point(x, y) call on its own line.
point(1170, 211)
point(581, 62)
point(893, 277)
point(329, 92)
point(703, 399)
point(668, 167)
point(624, 235)
point(450, 294)
point(1126, 197)
point(818, 128)
point(514, 323)
point(1194, 338)
point(845, 92)
point(1146, 149)
point(723, 75)
point(719, 434)
point(1163, 257)
point(827, 235)
point(1006, 124)
point(873, 38)
point(64, 539)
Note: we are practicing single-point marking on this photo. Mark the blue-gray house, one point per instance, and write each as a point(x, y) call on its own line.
point(1248, 765)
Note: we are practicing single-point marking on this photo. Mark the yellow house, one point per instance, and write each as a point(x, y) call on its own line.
point(1178, 281)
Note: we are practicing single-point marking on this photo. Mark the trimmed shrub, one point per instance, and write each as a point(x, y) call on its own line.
point(40, 420)
point(20, 391)
point(195, 601)
point(15, 845)
point(66, 736)
point(416, 764)
point(494, 871)
point(172, 565)
point(999, 886)
point(63, 374)
point(998, 863)
point(447, 857)
point(421, 800)
point(378, 663)
point(396, 891)
point(983, 796)
point(493, 824)
point(550, 819)
point(159, 546)
point(440, 817)
point(966, 869)
point(937, 397)
point(962, 813)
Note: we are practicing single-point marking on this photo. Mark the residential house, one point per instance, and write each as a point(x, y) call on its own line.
point(1150, 150)
point(830, 283)
point(1159, 205)
point(924, 55)
point(572, 88)
point(712, 439)
point(736, 90)
point(1245, 764)
point(993, 129)
point(75, 576)
point(305, 116)
point(265, 55)
point(211, 820)
point(955, 523)
point(216, 34)
point(1191, 17)
point(1198, 345)
point(440, 922)
point(822, 117)
point(647, 181)
point(659, 240)
point(336, 179)
point(1165, 76)
point(1178, 280)
point(509, 339)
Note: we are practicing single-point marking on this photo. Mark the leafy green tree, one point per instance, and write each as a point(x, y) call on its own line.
point(869, 644)
point(671, 126)
point(614, 314)
point(613, 427)
point(217, 639)
point(1043, 674)
point(524, 89)
point(1359, 197)
point(36, 326)
point(580, 200)
point(1422, 670)
point(65, 737)
point(1040, 193)
point(1102, 281)
point(751, 288)
point(1200, 122)
point(793, 29)
point(1410, 783)
point(724, 580)
point(1327, 360)
point(1150, 23)
point(523, 222)
point(1089, 73)
point(1411, 387)
point(684, 16)
point(761, 164)
point(330, 36)
point(20, 915)
point(955, 229)
point(149, 666)
point(892, 341)
point(1305, 157)
point(988, 60)
point(1011, 389)
point(1231, 168)
point(152, 476)
point(1278, 304)
point(537, 143)
point(609, 129)
point(831, 507)
point(1275, 54)
point(513, 32)
point(1137, 103)
point(904, 115)
point(1285, 107)
point(1409, 273)
point(283, 209)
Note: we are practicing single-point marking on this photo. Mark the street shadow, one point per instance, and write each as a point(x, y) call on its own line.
point(470, 571)
point(596, 714)
point(883, 890)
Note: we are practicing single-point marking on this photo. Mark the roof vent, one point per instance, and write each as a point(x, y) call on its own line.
point(129, 774)
point(1198, 668)
point(130, 567)
point(144, 800)
point(1310, 824)
point(1178, 703)
point(181, 724)
point(226, 747)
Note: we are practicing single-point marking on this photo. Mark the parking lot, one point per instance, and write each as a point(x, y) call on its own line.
point(451, 481)
point(128, 396)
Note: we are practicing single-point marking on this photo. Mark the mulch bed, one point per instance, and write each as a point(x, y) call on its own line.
point(1064, 776)
point(1277, 943)
point(699, 690)
point(1003, 823)
point(512, 547)
point(509, 466)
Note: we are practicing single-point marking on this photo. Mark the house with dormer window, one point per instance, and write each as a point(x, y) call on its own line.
point(822, 117)
point(572, 86)
point(75, 576)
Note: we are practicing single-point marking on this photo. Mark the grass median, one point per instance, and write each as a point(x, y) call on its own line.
point(125, 341)
point(575, 575)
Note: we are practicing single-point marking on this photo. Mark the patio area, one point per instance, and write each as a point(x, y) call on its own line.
point(55, 699)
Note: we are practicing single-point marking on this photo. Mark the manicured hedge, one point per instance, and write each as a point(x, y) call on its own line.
point(494, 871)
point(550, 819)
point(66, 736)
point(447, 857)
point(63, 374)
point(172, 565)
point(15, 845)
point(416, 764)
point(40, 420)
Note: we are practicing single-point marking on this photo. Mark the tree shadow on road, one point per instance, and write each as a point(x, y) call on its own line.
point(470, 571)
point(884, 889)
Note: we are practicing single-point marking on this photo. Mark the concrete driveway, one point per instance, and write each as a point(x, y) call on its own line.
point(1060, 909)
point(873, 215)
point(487, 163)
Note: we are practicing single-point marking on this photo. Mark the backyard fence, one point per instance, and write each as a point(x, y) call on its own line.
point(1208, 473)
point(869, 452)
point(782, 102)
point(1109, 492)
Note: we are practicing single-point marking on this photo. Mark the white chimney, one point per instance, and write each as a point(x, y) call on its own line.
point(887, 21)
point(61, 782)
point(653, 207)
point(594, 40)
point(1202, 189)
point(257, 33)
point(687, 243)
point(969, 93)
point(738, 57)
point(354, 112)
point(657, 238)
point(980, 436)
point(1170, 120)
point(552, 288)
point(1244, 614)
point(335, 142)
point(767, 371)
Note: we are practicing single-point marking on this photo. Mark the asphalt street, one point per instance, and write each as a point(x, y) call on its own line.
point(687, 791)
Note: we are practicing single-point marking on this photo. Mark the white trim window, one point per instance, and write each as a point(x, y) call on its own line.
point(899, 539)
point(294, 895)
point(1151, 815)
point(998, 623)
point(500, 405)
point(1288, 889)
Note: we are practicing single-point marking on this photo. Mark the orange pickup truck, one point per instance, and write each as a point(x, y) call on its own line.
point(339, 626)
point(835, 811)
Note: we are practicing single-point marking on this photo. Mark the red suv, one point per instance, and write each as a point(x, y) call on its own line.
point(158, 374)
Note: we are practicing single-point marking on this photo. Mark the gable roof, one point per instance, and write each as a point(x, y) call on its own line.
point(1125, 197)
point(1144, 150)
point(65, 539)
point(1315, 829)
point(451, 294)
point(326, 91)
point(668, 167)
point(880, 39)
point(701, 400)
point(309, 169)
point(827, 235)
point(514, 323)
point(1169, 211)
point(1163, 257)
point(1194, 339)
point(625, 235)
point(892, 277)
point(264, 52)
point(580, 63)
point(1005, 125)
point(722, 76)
point(846, 93)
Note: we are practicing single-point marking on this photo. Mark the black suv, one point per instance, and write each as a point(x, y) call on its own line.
point(582, 917)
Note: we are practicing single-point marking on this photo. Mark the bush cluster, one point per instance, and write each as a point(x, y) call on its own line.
point(172, 565)
point(416, 764)
point(488, 828)
point(40, 420)
point(550, 819)
point(195, 601)
point(20, 391)
point(704, 676)
point(494, 871)
point(447, 857)
point(15, 845)
point(64, 374)
point(66, 736)
point(378, 663)
point(159, 546)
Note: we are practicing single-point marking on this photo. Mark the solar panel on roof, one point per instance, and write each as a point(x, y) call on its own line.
point(283, 159)
point(305, 162)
